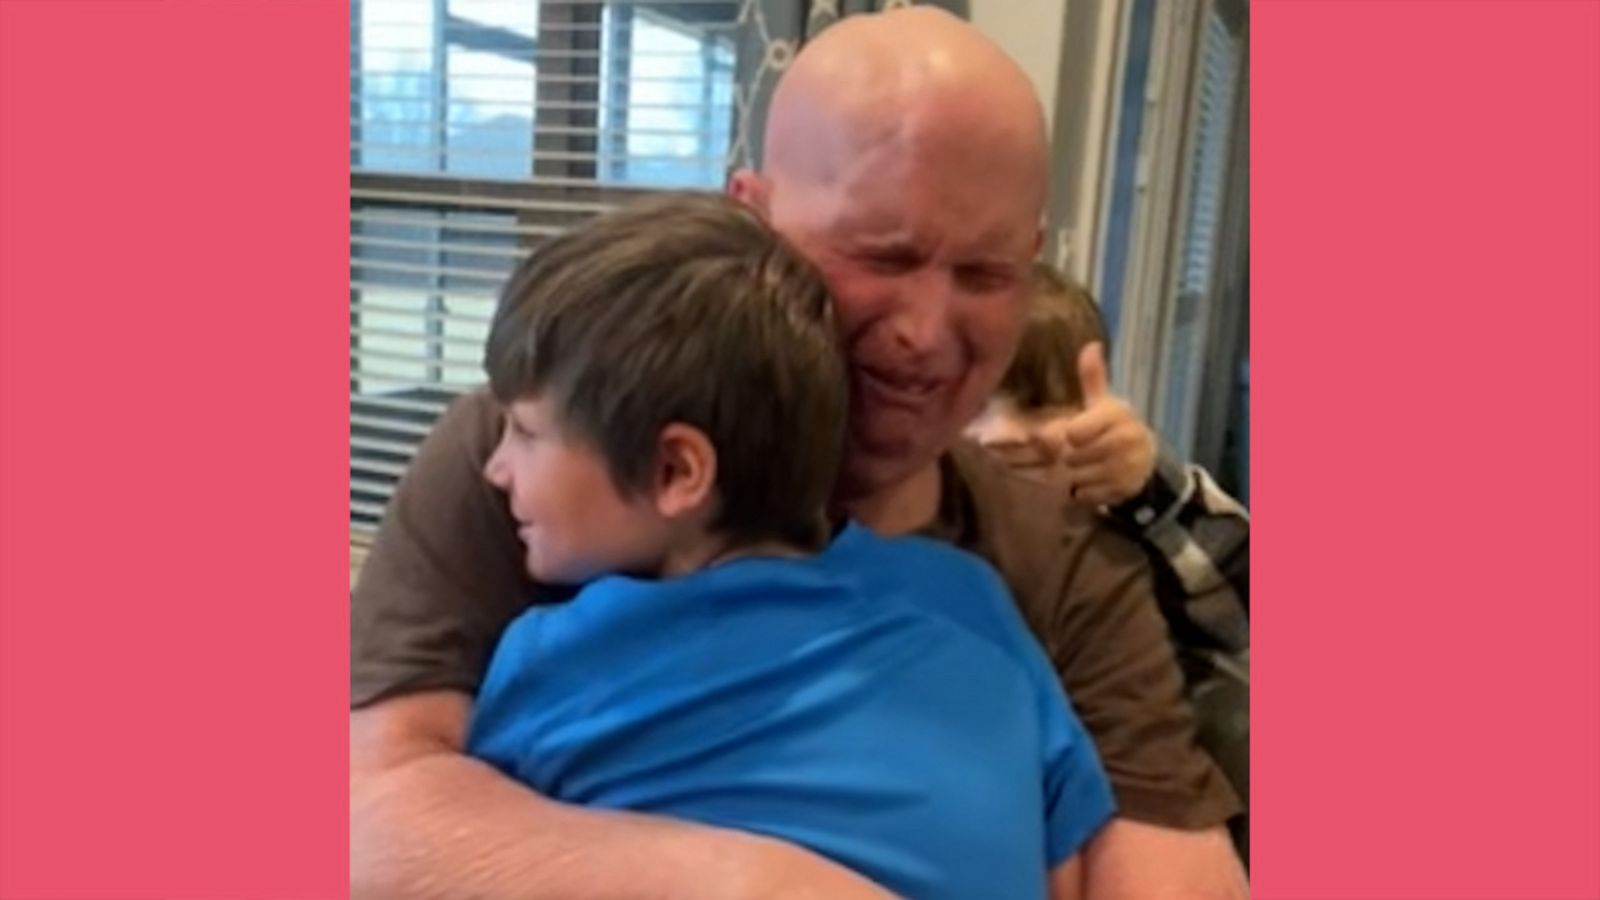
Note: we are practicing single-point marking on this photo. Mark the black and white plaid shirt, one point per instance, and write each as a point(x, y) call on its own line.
point(1199, 543)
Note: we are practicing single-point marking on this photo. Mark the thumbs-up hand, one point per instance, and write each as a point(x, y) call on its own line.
point(1106, 450)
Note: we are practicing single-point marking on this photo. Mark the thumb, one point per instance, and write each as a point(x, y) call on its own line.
point(1092, 374)
point(1052, 439)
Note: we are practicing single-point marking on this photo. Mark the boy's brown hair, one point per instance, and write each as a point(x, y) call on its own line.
point(685, 308)
point(1061, 319)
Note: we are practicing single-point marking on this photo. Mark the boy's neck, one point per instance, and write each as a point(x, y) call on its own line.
point(707, 550)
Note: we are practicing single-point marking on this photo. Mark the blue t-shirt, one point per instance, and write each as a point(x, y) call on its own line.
point(880, 703)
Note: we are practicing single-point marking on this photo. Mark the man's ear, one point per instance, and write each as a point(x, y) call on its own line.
point(752, 189)
point(685, 478)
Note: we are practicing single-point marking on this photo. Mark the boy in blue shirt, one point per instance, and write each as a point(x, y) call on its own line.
point(675, 407)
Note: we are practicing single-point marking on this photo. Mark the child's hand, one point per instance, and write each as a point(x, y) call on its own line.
point(1107, 452)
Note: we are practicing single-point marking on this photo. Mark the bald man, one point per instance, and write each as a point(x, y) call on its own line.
point(905, 156)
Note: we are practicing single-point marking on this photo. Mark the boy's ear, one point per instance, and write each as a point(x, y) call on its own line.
point(685, 480)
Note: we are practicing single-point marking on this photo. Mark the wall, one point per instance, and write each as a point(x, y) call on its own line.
point(1030, 31)
point(1068, 48)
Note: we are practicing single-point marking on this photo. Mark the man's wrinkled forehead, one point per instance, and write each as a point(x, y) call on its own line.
point(932, 209)
point(999, 241)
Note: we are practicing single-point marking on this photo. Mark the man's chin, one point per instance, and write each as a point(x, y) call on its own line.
point(868, 469)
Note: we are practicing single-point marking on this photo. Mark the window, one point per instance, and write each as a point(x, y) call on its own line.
point(1125, 180)
point(1171, 210)
point(1187, 328)
point(435, 91)
point(478, 129)
point(670, 112)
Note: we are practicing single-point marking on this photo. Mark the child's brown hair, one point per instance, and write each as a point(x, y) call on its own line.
point(685, 308)
point(1061, 319)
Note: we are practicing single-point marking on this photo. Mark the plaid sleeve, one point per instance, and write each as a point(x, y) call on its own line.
point(1199, 539)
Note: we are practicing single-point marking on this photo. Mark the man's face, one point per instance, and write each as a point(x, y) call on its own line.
point(927, 264)
point(572, 520)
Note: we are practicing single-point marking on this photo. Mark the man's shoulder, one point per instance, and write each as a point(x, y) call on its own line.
point(1086, 592)
point(1050, 550)
point(474, 418)
point(1007, 499)
point(1025, 520)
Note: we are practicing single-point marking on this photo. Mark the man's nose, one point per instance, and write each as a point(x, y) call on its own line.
point(923, 317)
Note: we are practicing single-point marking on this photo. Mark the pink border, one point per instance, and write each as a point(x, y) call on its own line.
point(173, 368)
point(1426, 318)
point(172, 494)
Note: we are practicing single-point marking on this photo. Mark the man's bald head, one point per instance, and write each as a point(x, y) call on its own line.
point(905, 157)
point(916, 80)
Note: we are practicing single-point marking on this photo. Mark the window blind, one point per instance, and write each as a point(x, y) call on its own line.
point(478, 129)
point(1214, 85)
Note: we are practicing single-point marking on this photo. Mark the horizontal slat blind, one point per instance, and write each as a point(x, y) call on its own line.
point(480, 128)
point(1214, 85)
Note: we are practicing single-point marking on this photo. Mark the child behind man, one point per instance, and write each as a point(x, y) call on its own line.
point(1024, 423)
point(675, 415)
